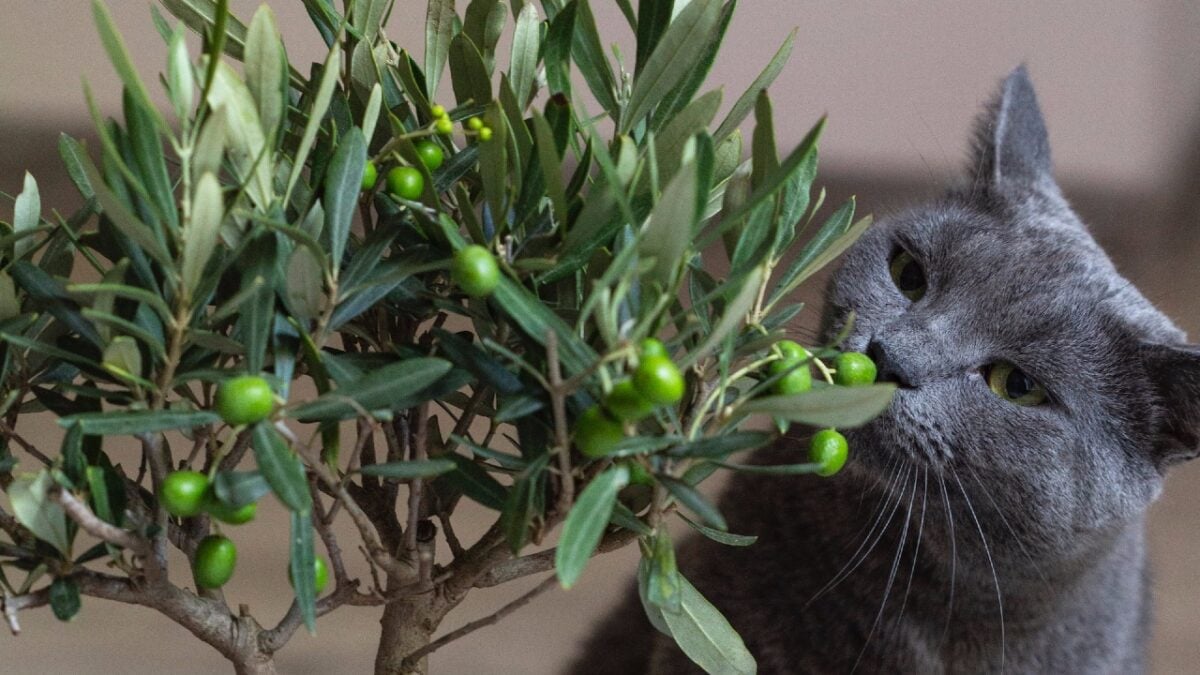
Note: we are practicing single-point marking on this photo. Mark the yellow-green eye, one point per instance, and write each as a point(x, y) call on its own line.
point(908, 275)
point(1012, 384)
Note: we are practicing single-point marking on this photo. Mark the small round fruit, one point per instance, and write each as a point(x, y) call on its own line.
point(438, 110)
point(658, 379)
point(444, 126)
point(853, 368)
point(228, 514)
point(431, 154)
point(474, 124)
point(797, 380)
point(406, 182)
point(597, 434)
point(215, 559)
point(320, 575)
point(475, 271)
point(625, 403)
point(245, 399)
point(370, 175)
point(182, 493)
point(652, 347)
point(828, 448)
point(791, 350)
point(485, 134)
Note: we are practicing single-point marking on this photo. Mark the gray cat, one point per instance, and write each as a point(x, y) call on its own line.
point(993, 518)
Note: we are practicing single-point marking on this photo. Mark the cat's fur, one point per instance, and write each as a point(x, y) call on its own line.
point(967, 534)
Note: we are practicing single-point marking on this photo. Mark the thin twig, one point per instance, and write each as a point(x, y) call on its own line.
point(418, 452)
point(81, 514)
point(11, 433)
point(566, 493)
point(544, 561)
point(486, 621)
point(271, 641)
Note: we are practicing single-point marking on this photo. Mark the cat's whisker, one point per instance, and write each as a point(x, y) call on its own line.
point(988, 553)
point(953, 556)
point(864, 550)
point(916, 551)
point(1020, 545)
point(887, 589)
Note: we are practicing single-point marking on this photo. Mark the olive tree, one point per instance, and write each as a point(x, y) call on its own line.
point(327, 284)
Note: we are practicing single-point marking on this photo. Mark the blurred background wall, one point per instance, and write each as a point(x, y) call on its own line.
point(1119, 84)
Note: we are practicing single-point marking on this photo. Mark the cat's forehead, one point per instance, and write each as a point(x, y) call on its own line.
point(1037, 266)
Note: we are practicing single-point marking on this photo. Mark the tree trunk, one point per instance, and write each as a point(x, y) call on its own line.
point(407, 625)
point(257, 665)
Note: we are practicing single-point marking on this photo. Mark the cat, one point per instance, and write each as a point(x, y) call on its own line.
point(992, 519)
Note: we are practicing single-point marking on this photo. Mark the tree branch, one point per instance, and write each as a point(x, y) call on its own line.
point(492, 619)
point(566, 492)
point(271, 641)
point(11, 433)
point(544, 560)
point(81, 514)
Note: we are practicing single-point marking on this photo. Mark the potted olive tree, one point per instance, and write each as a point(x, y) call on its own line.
point(325, 284)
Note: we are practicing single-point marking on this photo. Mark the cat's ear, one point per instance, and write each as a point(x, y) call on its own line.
point(1174, 370)
point(1011, 149)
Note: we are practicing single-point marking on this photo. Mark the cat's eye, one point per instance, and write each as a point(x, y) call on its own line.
point(1012, 384)
point(907, 275)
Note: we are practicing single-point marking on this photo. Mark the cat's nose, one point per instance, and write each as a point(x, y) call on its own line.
point(888, 368)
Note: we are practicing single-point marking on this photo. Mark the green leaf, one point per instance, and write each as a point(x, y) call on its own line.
point(343, 183)
point(829, 406)
point(821, 250)
point(662, 582)
point(690, 121)
point(395, 386)
point(140, 295)
point(181, 81)
point(468, 73)
point(122, 218)
point(239, 488)
point(245, 136)
point(144, 152)
point(698, 504)
point(64, 598)
point(723, 445)
point(653, 613)
point(119, 55)
point(589, 56)
point(585, 524)
point(282, 469)
point(653, 17)
point(201, 16)
point(556, 53)
point(524, 503)
point(303, 568)
point(305, 284)
point(27, 211)
point(706, 636)
point(669, 231)
point(200, 234)
point(526, 42)
point(764, 155)
point(484, 23)
point(416, 468)
point(551, 166)
point(368, 17)
point(536, 320)
point(107, 488)
point(721, 537)
point(73, 154)
point(439, 30)
point(50, 295)
point(476, 483)
point(34, 509)
point(316, 114)
point(10, 304)
point(732, 318)
point(675, 55)
point(266, 72)
point(797, 160)
point(132, 422)
point(745, 102)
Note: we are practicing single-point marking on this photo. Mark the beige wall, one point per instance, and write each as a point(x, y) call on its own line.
point(901, 80)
